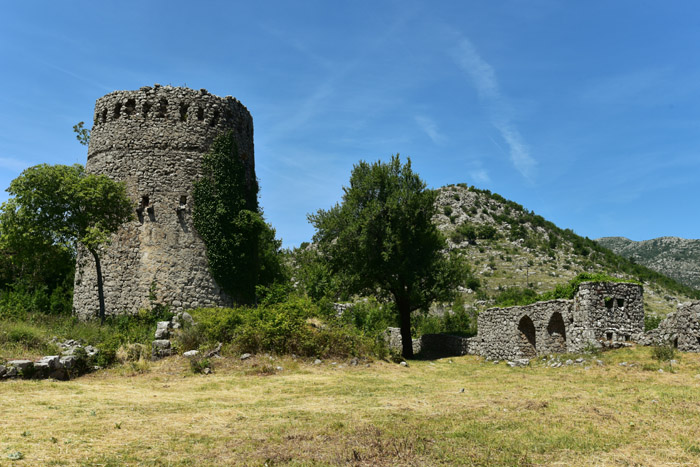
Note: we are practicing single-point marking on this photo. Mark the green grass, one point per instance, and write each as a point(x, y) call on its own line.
point(384, 414)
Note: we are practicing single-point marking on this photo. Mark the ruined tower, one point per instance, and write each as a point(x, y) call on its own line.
point(154, 139)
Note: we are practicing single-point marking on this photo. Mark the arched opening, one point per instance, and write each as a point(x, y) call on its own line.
point(527, 337)
point(557, 333)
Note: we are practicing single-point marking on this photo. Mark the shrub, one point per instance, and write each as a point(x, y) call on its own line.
point(296, 325)
point(663, 352)
point(189, 338)
point(447, 210)
point(651, 322)
point(131, 353)
point(199, 364)
point(486, 232)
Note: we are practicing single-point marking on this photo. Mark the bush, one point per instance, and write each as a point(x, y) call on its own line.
point(663, 352)
point(516, 296)
point(651, 322)
point(296, 325)
point(199, 364)
point(189, 338)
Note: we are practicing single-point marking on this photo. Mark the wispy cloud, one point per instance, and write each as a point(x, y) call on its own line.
point(77, 76)
point(484, 77)
point(430, 128)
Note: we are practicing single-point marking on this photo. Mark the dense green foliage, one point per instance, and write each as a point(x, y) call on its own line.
point(382, 239)
point(296, 325)
point(56, 208)
point(241, 247)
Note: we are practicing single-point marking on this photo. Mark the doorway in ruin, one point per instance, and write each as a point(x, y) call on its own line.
point(557, 333)
point(527, 337)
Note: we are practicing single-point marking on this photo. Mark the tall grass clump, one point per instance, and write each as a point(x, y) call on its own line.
point(296, 325)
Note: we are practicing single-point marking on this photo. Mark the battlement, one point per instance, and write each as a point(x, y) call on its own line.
point(165, 102)
point(165, 117)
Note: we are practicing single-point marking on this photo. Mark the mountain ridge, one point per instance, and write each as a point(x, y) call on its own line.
point(676, 257)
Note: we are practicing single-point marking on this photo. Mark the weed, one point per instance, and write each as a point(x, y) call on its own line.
point(663, 352)
point(200, 365)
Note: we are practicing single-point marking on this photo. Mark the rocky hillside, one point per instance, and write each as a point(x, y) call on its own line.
point(514, 252)
point(674, 257)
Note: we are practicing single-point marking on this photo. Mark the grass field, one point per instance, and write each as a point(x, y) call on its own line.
point(457, 411)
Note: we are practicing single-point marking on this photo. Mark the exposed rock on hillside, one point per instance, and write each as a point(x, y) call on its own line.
point(674, 257)
point(514, 252)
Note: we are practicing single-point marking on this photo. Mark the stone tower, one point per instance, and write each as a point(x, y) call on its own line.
point(153, 139)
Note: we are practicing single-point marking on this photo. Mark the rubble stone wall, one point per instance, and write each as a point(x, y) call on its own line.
point(607, 312)
point(522, 331)
point(680, 329)
point(153, 139)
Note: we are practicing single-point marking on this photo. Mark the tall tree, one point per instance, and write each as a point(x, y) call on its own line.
point(382, 238)
point(62, 205)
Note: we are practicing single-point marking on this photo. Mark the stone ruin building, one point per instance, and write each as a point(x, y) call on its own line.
point(154, 139)
point(601, 314)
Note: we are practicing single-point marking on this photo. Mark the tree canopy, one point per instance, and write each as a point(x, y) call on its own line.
point(63, 206)
point(382, 239)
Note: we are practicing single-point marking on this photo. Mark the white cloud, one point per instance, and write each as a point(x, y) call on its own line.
point(430, 128)
point(484, 78)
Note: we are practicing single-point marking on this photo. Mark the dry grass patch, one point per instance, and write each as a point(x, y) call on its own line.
point(384, 414)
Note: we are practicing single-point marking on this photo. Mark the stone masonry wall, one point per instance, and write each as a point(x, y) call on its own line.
point(601, 313)
point(607, 312)
point(522, 331)
point(680, 329)
point(153, 139)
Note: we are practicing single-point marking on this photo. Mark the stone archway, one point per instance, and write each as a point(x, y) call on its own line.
point(527, 333)
point(556, 330)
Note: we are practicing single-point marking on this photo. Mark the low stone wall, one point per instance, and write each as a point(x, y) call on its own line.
point(439, 344)
point(445, 344)
point(392, 337)
point(680, 329)
point(522, 331)
point(71, 362)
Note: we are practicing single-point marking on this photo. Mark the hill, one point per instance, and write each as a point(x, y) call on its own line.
point(674, 257)
point(517, 254)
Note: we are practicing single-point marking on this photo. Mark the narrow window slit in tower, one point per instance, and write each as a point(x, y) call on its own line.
point(609, 303)
point(130, 107)
point(144, 205)
point(104, 116)
point(182, 207)
point(183, 112)
point(215, 119)
point(146, 108)
point(117, 110)
point(620, 303)
point(200, 114)
point(162, 108)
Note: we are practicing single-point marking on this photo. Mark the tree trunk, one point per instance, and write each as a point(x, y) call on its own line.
point(100, 289)
point(405, 325)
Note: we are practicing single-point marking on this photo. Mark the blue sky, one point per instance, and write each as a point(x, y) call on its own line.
point(587, 113)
